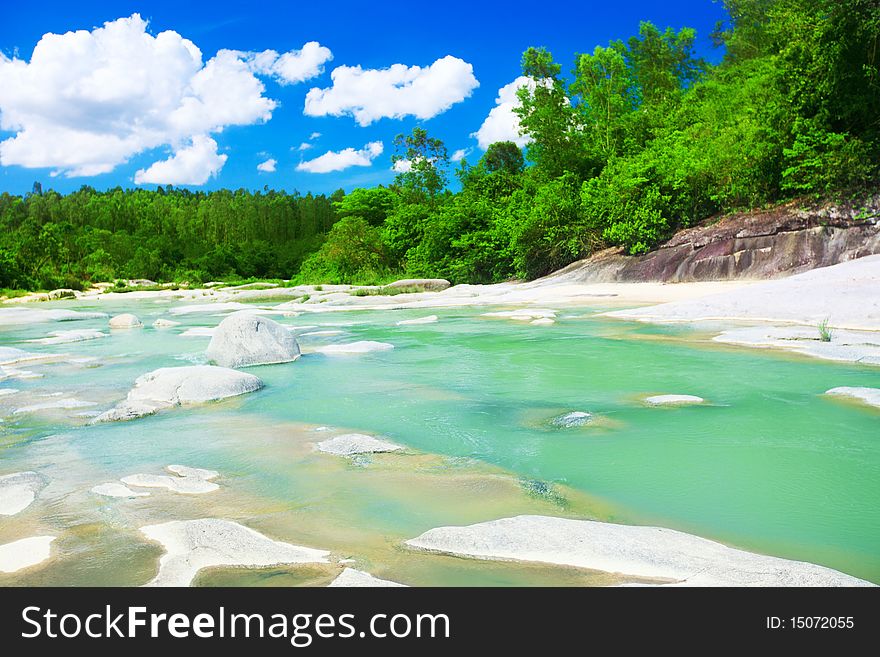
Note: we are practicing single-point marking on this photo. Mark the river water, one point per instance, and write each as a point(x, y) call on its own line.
point(768, 464)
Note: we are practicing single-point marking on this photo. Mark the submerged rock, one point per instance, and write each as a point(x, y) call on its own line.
point(125, 321)
point(244, 339)
point(180, 386)
point(350, 444)
point(191, 545)
point(673, 400)
point(24, 553)
point(18, 316)
point(14, 356)
point(64, 337)
point(18, 491)
point(869, 396)
point(189, 481)
point(543, 321)
point(572, 419)
point(112, 489)
point(351, 348)
point(351, 577)
point(66, 403)
point(648, 552)
point(430, 319)
point(164, 323)
point(524, 314)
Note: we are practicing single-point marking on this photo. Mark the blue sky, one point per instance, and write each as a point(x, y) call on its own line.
point(68, 134)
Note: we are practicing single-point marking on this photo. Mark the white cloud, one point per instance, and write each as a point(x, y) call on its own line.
point(339, 160)
point(190, 165)
point(314, 135)
point(304, 146)
point(268, 166)
point(402, 166)
point(395, 92)
point(460, 154)
point(502, 124)
point(293, 66)
point(88, 101)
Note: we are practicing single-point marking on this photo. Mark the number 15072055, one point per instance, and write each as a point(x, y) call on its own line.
point(810, 623)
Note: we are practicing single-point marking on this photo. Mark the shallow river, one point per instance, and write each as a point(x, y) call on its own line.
point(768, 464)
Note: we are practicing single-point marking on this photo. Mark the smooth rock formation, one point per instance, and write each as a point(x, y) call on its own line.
point(65, 337)
point(125, 321)
point(19, 316)
point(112, 489)
point(571, 420)
point(14, 356)
point(24, 553)
point(189, 481)
point(423, 284)
point(18, 491)
point(218, 307)
point(180, 386)
point(430, 319)
point(869, 396)
point(351, 577)
point(243, 339)
point(191, 545)
point(350, 444)
point(646, 552)
point(66, 403)
point(673, 400)
point(352, 348)
point(846, 346)
point(523, 314)
point(164, 323)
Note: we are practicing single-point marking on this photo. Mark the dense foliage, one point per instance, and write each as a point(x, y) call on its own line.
point(641, 139)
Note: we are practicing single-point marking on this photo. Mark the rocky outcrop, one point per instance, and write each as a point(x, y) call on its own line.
point(180, 386)
point(350, 444)
point(243, 339)
point(785, 240)
point(125, 321)
point(421, 284)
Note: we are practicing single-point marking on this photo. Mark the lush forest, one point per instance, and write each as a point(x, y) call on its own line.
point(634, 141)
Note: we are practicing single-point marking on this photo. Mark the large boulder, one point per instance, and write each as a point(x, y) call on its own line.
point(244, 339)
point(125, 321)
point(421, 284)
point(180, 386)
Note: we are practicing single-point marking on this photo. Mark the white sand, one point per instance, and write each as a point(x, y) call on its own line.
point(350, 577)
point(191, 545)
point(18, 491)
point(25, 553)
point(354, 348)
point(869, 396)
point(646, 552)
point(350, 444)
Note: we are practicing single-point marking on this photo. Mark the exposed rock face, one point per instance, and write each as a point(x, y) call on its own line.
point(178, 386)
point(779, 242)
point(243, 339)
point(424, 284)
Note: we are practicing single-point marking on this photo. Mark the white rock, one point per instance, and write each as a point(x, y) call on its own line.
point(18, 316)
point(649, 552)
point(25, 553)
point(189, 481)
point(350, 577)
point(869, 396)
point(356, 443)
point(14, 356)
point(426, 284)
point(351, 348)
point(430, 319)
point(673, 400)
point(164, 323)
point(18, 490)
point(196, 473)
point(316, 333)
point(543, 321)
point(125, 321)
point(243, 339)
point(66, 403)
point(199, 332)
point(64, 337)
point(180, 386)
point(112, 489)
point(573, 419)
point(524, 314)
point(191, 545)
point(229, 306)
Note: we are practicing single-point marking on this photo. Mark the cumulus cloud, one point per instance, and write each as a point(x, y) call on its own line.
point(502, 124)
point(88, 101)
point(460, 154)
point(395, 92)
point(268, 166)
point(339, 160)
point(293, 66)
point(190, 165)
point(402, 166)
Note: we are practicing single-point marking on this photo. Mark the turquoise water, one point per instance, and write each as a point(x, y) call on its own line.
point(768, 464)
